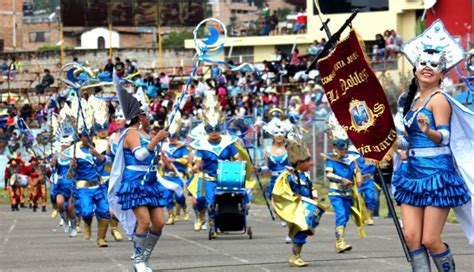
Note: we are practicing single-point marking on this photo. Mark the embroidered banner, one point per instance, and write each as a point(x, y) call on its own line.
point(358, 100)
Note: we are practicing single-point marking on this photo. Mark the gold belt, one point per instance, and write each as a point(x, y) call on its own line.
point(85, 184)
point(172, 174)
point(103, 179)
point(336, 186)
point(209, 178)
point(367, 177)
point(342, 190)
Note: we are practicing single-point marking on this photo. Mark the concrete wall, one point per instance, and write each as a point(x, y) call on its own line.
point(147, 58)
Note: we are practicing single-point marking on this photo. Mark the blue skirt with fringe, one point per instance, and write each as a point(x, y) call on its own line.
point(133, 193)
point(64, 187)
point(430, 181)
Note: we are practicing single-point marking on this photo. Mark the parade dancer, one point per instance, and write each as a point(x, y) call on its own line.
point(90, 197)
point(341, 171)
point(102, 145)
point(438, 129)
point(276, 156)
point(175, 158)
point(210, 149)
point(64, 186)
point(37, 177)
point(119, 119)
point(367, 189)
point(13, 181)
point(293, 191)
point(133, 184)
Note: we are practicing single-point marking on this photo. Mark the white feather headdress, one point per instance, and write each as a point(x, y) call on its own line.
point(438, 38)
point(212, 110)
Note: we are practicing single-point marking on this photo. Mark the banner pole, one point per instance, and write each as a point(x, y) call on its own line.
point(327, 48)
point(259, 183)
point(332, 40)
point(391, 210)
point(325, 26)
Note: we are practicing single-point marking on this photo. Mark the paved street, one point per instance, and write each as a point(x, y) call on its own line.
point(35, 242)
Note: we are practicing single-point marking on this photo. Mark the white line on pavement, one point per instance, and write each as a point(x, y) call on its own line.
point(192, 242)
point(208, 248)
point(5, 240)
point(215, 250)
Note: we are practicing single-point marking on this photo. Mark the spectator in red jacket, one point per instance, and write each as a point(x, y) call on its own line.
point(301, 21)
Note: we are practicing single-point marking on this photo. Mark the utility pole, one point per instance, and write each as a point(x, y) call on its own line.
point(61, 45)
point(158, 33)
point(109, 19)
point(14, 25)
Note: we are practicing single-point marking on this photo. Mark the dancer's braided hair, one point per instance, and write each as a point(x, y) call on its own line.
point(412, 89)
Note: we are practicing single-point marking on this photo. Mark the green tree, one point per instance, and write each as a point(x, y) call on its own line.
point(259, 3)
point(282, 13)
point(52, 47)
point(48, 5)
point(176, 39)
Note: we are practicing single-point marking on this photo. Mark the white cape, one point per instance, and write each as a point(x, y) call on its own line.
point(127, 218)
point(462, 144)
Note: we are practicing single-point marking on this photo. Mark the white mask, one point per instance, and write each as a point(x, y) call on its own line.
point(434, 61)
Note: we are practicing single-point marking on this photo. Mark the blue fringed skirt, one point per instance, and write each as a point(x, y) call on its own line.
point(64, 187)
point(132, 193)
point(431, 181)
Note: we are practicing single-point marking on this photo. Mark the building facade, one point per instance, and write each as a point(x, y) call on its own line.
point(11, 36)
point(399, 15)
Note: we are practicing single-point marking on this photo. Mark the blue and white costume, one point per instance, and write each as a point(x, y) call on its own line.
point(135, 191)
point(134, 184)
point(425, 183)
point(276, 164)
point(340, 196)
point(63, 186)
point(210, 153)
point(367, 189)
point(294, 198)
point(301, 186)
point(89, 196)
point(180, 153)
point(438, 174)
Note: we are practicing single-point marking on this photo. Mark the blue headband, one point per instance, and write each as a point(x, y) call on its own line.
point(341, 144)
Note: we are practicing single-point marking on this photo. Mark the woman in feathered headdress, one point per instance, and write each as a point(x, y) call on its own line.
point(133, 180)
point(119, 120)
point(440, 134)
point(276, 155)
